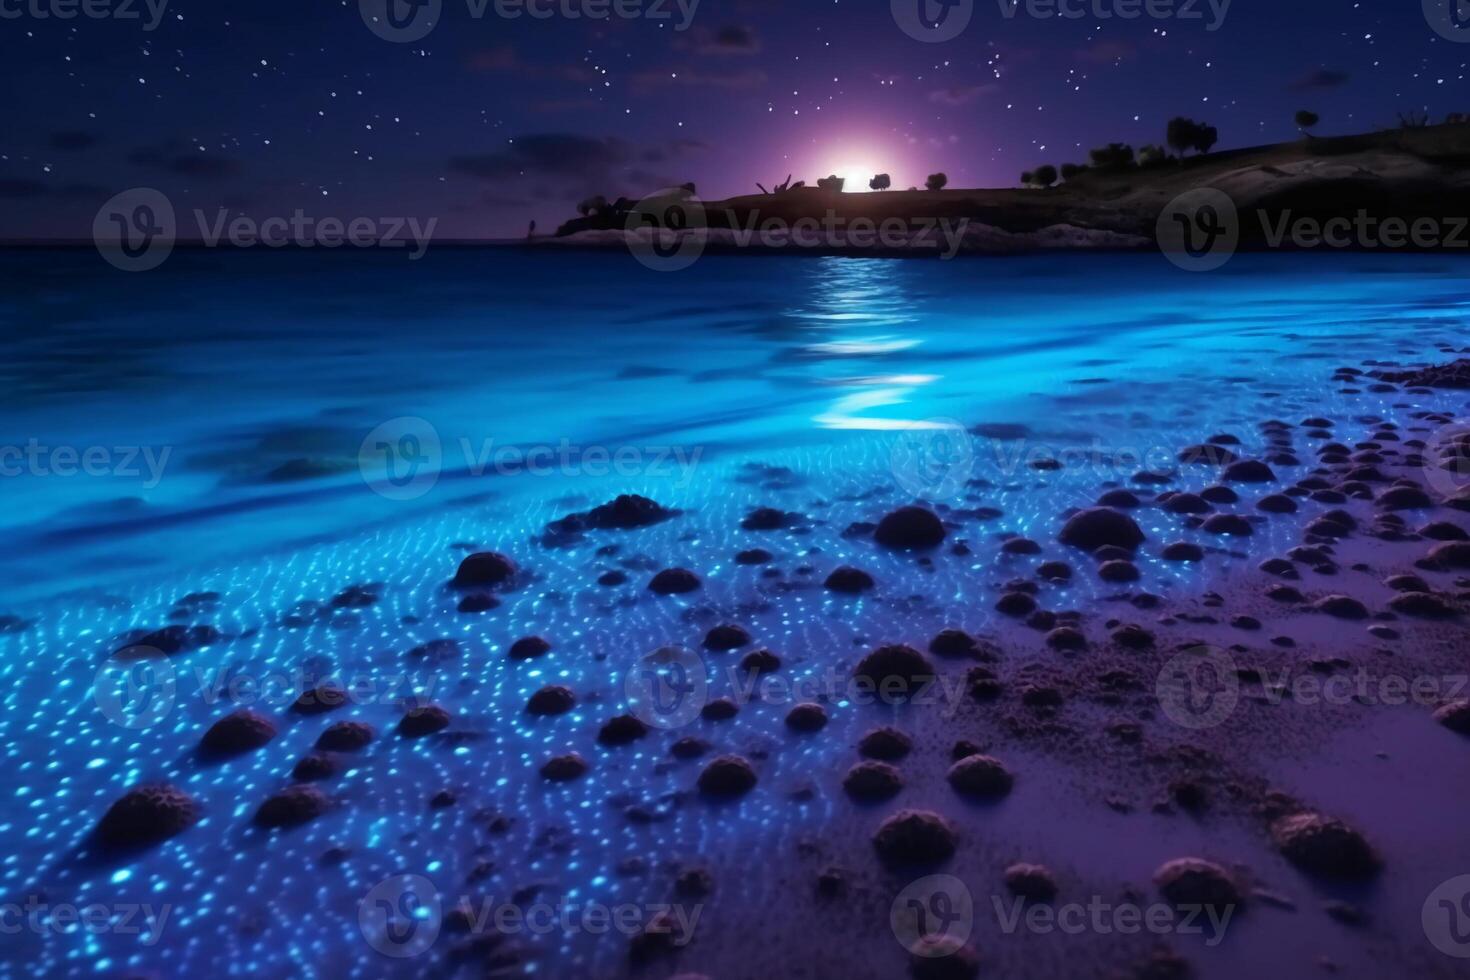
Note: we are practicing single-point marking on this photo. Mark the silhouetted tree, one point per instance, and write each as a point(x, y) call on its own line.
point(1072, 170)
point(1414, 119)
point(1205, 138)
point(1114, 156)
point(1045, 175)
point(593, 205)
point(937, 182)
point(1307, 120)
point(1152, 156)
point(880, 183)
point(1027, 177)
point(1182, 134)
point(832, 183)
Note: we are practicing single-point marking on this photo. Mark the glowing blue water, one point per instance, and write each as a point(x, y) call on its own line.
point(260, 376)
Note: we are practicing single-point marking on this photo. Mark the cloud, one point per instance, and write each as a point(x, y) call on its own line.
point(24, 187)
point(542, 154)
point(1321, 78)
point(174, 158)
point(736, 81)
point(958, 95)
point(731, 40)
point(559, 166)
point(72, 140)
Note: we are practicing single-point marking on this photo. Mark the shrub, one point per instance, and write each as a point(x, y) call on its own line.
point(1114, 156)
point(937, 182)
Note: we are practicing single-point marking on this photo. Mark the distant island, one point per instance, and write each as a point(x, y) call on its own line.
point(1391, 178)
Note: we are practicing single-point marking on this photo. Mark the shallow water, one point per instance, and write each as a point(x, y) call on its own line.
point(267, 385)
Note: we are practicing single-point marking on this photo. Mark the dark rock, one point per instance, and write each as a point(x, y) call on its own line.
point(1425, 605)
point(1219, 494)
point(564, 768)
point(1016, 604)
point(1066, 638)
point(888, 744)
point(346, 736)
point(1232, 524)
point(314, 766)
point(980, 777)
point(1187, 503)
point(1092, 529)
point(753, 556)
point(807, 717)
point(1182, 551)
point(912, 837)
point(478, 602)
point(241, 731)
point(626, 513)
point(319, 700)
point(1021, 546)
point(1455, 716)
point(622, 730)
point(1054, 571)
point(719, 709)
point(760, 662)
point(486, 569)
point(147, 815)
point(1324, 846)
point(849, 580)
point(955, 644)
point(1033, 882)
point(529, 648)
point(872, 781)
point(424, 720)
point(1118, 571)
point(727, 777)
point(895, 664)
point(768, 519)
point(726, 637)
point(910, 528)
point(1248, 471)
point(1341, 606)
point(1404, 498)
point(292, 807)
point(674, 581)
point(1276, 503)
point(1196, 882)
point(553, 699)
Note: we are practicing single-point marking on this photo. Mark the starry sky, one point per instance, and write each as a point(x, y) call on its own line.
point(488, 123)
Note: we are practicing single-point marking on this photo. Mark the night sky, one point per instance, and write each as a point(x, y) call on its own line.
point(487, 123)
